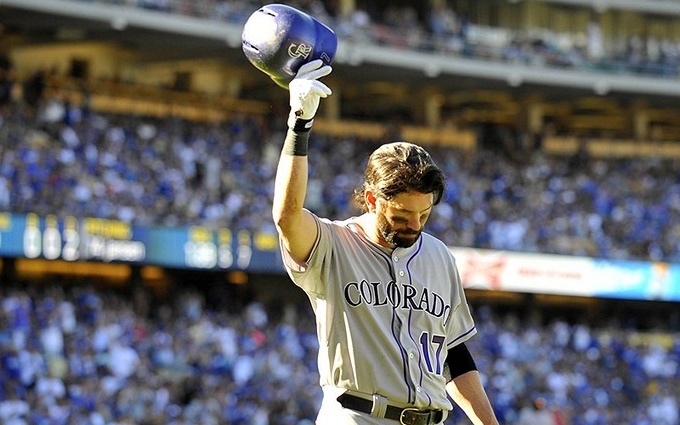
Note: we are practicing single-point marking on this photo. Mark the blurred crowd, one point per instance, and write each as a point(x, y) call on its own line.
point(74, 355)
point(438, 27)
point(67, 160)
point(86, 357)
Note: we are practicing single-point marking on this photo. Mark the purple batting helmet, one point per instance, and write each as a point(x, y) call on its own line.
point(279, 39)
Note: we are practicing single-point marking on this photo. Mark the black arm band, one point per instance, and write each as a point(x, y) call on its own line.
point(460, 361)
point(296, 143)
point(297, 138)
point(302, 126)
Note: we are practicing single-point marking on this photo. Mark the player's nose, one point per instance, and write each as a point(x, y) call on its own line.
point(414, 224)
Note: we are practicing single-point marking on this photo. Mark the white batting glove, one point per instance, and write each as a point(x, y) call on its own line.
point(306, 91)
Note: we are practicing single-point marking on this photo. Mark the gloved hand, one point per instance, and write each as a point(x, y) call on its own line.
point(306, 91)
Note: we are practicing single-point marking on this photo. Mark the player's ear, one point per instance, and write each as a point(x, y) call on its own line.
point(371, 201)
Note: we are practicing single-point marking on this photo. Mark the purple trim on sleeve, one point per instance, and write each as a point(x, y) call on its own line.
point(454, 342)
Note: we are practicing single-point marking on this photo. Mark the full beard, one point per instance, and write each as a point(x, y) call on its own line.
point(396, 238)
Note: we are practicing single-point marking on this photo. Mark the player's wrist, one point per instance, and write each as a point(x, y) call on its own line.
point(299, 124)
point(297, 142)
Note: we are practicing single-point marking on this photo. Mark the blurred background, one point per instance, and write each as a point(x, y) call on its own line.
point(139, 269)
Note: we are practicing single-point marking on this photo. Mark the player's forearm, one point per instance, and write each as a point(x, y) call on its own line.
point(296, 227)
point(290, 187)
point(290, 190)
point(467, 392)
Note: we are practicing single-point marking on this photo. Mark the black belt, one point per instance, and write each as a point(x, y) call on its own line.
point(405, 415)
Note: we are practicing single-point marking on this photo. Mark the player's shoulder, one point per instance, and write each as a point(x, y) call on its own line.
point(340, 223)
point(432, 243)
point(324, 220)
point(335, 226)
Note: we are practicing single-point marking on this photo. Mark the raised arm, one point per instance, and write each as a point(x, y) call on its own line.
point(295, 225)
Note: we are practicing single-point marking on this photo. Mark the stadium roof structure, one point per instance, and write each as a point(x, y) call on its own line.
point(371, 68)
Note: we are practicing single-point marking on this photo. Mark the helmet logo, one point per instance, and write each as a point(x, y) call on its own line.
point(299, 50)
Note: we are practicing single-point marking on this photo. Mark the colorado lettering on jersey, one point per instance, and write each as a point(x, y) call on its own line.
point(404, 296)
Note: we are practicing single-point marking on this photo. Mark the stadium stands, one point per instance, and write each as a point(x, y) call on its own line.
point(64, 159)
point(437, 27)
point(75, 353)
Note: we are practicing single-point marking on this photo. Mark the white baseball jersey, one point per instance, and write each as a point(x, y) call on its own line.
point(385, 318)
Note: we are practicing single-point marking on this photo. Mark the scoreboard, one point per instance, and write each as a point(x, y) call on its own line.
point(201, 248)
point(95, 239)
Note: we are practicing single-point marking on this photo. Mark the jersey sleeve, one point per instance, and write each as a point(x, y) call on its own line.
point(462, 325)
point(308, 275)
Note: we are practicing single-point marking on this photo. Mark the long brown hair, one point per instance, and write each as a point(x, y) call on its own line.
point(399, 167)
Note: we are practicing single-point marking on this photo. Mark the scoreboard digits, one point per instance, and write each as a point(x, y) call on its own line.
point(92, 239)
point(71, 251)
point(225, 258)
point(51, 240)
point(32, 237)
point(200, 250)
point(245, 251)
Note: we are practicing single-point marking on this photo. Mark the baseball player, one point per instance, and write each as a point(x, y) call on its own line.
point(392, 318)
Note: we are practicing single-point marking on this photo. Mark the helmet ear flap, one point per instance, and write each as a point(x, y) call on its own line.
point(278, 39)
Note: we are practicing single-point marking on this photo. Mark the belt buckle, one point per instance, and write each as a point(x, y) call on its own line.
point(409, 416)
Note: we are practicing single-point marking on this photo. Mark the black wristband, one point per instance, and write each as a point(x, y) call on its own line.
point(302, 125)
point(296, 142)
